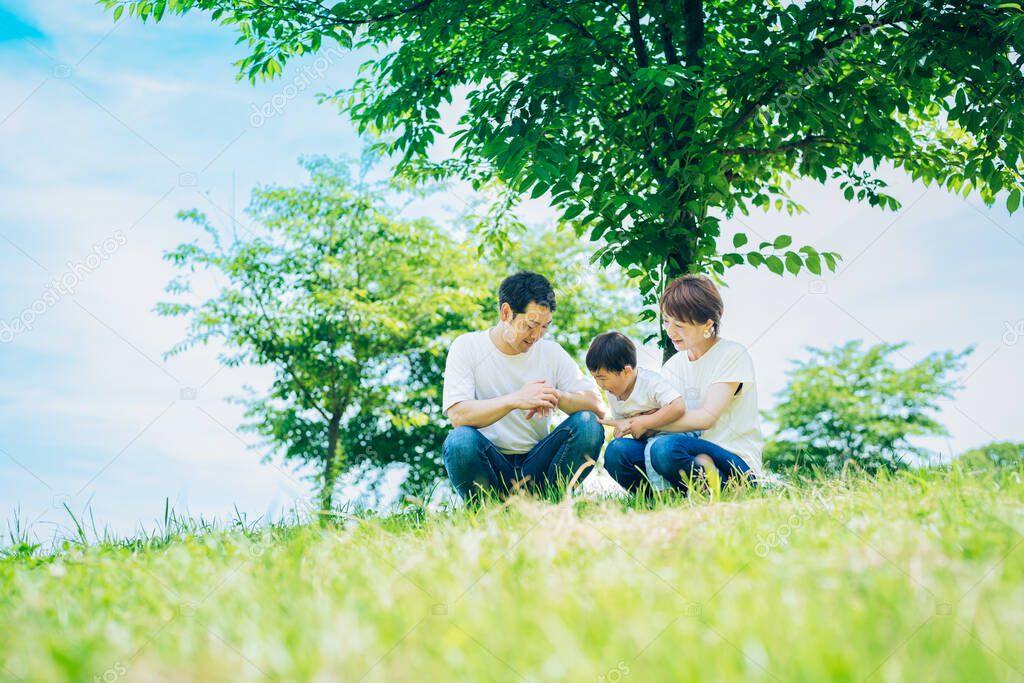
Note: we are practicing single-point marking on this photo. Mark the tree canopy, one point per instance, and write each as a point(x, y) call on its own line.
point(648, 122)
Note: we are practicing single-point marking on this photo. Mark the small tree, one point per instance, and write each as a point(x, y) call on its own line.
point(849, 404)
point(995, 454)
point(341, 299)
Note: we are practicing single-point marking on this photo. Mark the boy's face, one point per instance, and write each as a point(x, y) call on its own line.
point(615, 383)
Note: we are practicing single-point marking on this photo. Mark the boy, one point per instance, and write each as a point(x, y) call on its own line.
point(640, 400)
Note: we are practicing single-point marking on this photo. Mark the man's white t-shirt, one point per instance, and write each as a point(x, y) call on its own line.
point(477, 370)
point(650, 392)
point(738, 430)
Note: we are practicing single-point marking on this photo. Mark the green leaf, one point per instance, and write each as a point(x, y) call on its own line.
point(775, 264)
point(1013, 200)
point(738, 240)
point(793, 262)
point(782, 241)
point(572, 212)
point(813, 262)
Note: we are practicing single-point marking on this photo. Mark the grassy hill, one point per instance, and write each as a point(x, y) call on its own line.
point(914, 577)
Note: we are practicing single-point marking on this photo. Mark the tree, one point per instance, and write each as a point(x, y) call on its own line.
point(355, 310)
point(589, 301)
point(995, 454)
point(850, 404)
point(648, 122)
point(343, 300)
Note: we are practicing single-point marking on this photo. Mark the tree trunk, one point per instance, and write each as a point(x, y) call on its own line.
point(331, 464)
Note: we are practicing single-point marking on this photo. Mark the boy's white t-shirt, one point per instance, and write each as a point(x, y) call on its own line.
point(738, 430)
point(477, 370)
point(650, 392)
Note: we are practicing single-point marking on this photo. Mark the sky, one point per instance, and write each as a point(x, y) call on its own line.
point(108, 130)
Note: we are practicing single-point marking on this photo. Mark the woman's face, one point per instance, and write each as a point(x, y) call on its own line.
point(685, 335)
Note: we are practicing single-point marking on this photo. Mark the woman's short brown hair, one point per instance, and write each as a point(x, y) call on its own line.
point(693, 299)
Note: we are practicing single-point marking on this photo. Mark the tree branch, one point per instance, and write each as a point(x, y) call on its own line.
point(788, 147)
point(639, 46)
point(693, 22)
point(585, 32)
point(665, 32)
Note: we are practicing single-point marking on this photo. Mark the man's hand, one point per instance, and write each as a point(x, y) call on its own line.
point(537, 397)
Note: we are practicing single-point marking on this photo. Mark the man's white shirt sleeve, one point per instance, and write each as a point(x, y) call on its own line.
point(459, 382)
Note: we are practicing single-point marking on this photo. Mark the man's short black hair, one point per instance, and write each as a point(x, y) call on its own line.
point(524, 288)
point(611, 352)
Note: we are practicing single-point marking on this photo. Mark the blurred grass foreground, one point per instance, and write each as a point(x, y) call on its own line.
point(908, 577)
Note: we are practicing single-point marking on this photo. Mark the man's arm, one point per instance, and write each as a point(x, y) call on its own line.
point(533, 396)
point(574, 402)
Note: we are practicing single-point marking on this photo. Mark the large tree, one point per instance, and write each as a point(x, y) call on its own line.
point(647, 122)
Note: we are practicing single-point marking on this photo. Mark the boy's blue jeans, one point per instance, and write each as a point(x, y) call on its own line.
point(475, 464)
point(673, 456)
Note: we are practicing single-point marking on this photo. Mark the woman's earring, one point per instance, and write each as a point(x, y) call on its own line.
point(707, 334)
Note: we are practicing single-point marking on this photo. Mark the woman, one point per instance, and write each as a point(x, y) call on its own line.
point(716, 378)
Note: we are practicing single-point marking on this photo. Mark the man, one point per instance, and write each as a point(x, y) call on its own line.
point(501, 387)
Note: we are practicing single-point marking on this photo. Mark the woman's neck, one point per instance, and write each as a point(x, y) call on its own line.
point(695, 352)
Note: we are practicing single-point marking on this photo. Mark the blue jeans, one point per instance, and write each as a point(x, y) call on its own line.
point(475, 464)
point(674, 457)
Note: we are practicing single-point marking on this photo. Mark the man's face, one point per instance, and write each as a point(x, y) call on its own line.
point(524, 330)
point(615, 383)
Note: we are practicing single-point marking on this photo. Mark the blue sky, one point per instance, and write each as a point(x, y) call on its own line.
point(106, 131)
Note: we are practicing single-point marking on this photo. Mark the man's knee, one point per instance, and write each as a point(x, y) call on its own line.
point(461, 447)
point(587, 428)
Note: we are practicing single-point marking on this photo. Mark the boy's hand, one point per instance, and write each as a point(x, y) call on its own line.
point(623, 427)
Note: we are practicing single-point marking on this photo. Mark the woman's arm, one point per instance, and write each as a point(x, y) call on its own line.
point(716, 400)
point(649, 421)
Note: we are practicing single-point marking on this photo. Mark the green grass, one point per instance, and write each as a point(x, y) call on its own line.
point(913, 577)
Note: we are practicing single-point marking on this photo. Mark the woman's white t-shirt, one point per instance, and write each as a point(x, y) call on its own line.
point(477, 370)
point(738, 430)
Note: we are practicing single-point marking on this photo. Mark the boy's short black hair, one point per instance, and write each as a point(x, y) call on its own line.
point(611, 351)
point(524, 288)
